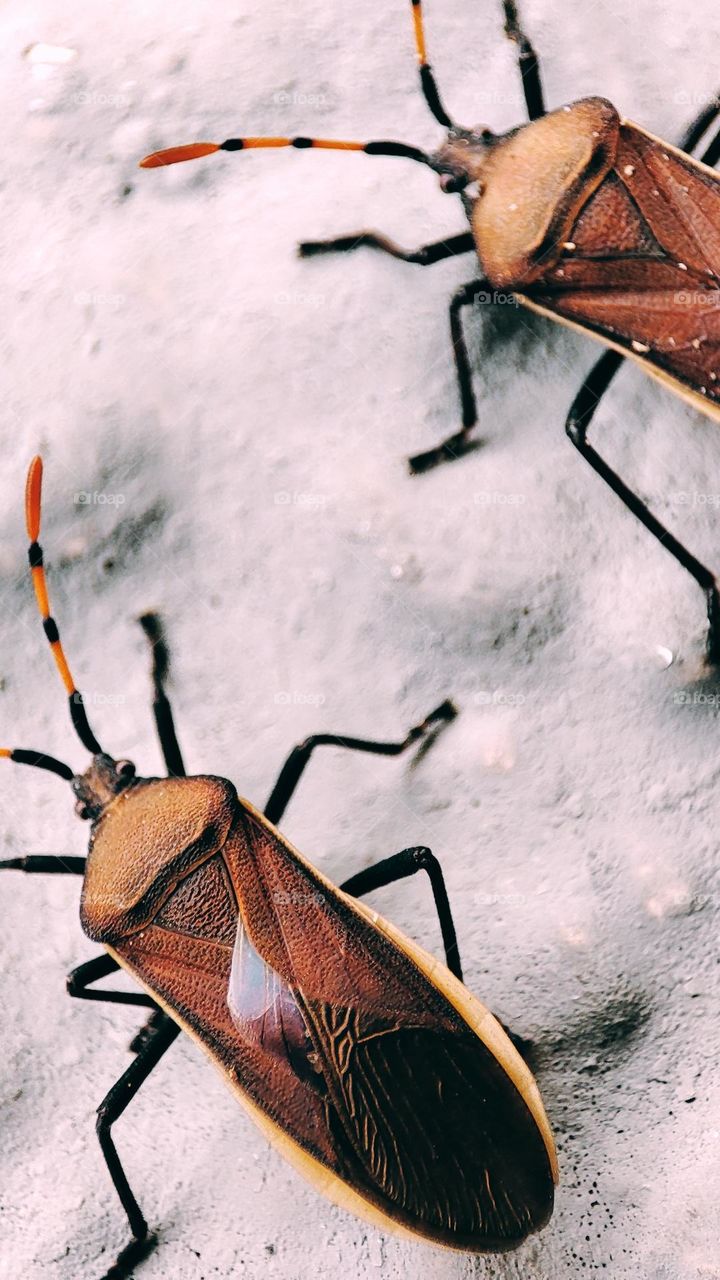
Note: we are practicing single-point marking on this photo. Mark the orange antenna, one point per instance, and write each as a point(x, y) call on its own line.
point(194, 150)
point(33, 494)
point(427, 79)
point(39, 760)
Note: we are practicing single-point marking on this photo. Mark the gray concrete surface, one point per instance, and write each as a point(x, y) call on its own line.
point(242, 417)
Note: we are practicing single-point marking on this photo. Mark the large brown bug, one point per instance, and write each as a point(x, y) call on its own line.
point(363, 1058)
point(586, 218)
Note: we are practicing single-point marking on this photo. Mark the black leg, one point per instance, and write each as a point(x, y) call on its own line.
point(528, 64)
point(152, 626)
point(149, 1029)
point(45, 862)
point(299, 757)
point(712, 155)
point(456, 444)
point(577, 424)
point(427, 79)
point(407, 863)
point(79, 981)
point(172, 755)
point(425, 256)
point(110, 1110)
point(699, 126)
point(586, 402)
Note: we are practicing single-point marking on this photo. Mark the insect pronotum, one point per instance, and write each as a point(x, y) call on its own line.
point(362, 1057)
point(583, 217)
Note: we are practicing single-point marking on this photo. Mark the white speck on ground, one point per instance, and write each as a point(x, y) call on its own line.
point(236, 420)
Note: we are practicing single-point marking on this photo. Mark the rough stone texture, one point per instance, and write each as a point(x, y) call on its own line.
point(239, 419)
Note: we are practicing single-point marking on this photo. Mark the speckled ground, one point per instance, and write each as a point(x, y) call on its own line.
point(236, 420)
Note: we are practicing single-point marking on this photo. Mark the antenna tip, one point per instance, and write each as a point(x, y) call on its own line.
point(33, 491)
point(176, 155)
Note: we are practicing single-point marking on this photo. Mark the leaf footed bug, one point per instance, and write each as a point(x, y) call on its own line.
point(581, 216)
point(364, 1059)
